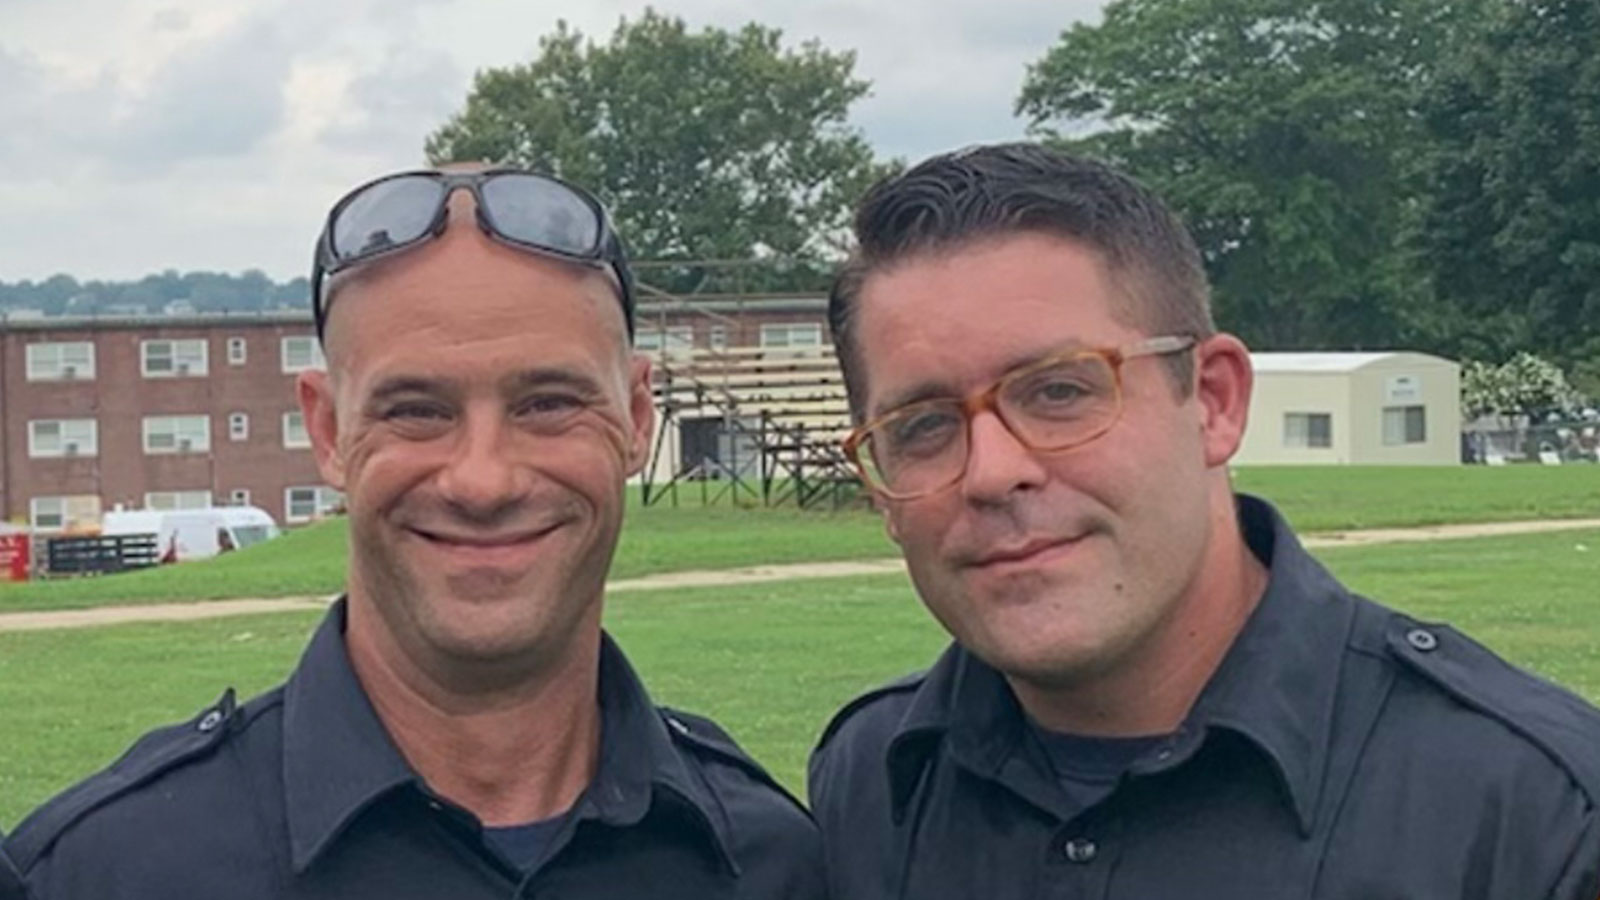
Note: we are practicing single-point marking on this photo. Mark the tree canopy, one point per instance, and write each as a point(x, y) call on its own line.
point(707, 145)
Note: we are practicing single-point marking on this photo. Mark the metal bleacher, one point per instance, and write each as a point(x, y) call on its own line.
point(763, 425)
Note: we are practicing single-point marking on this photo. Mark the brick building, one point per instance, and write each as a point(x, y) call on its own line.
point(193, 410)
point(155, 413)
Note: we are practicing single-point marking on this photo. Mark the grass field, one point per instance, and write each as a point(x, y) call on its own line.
point(771, 662)
point(662, 538)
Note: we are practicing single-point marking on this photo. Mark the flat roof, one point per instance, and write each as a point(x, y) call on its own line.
point(1326, 362)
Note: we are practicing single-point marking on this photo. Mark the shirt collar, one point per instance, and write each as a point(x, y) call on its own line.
point(337, 756)
point(1278, 683)
point(339, 759)
point(1276, 686)
point(640, 764)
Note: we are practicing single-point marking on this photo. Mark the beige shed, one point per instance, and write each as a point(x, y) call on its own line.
point(1390, 408)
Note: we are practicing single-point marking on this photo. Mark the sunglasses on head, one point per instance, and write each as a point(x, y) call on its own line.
point(535, 213)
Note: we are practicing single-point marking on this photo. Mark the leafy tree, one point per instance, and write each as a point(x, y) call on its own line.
point(1525, 385)
point(1509, 226)
point(1281, 130)
point(708, 145)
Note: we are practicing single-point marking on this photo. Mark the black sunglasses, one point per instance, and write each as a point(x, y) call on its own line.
point(536, 213)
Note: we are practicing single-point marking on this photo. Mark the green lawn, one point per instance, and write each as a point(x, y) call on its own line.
point(1330, 498)
point(311, 560)
point(771, 662)
point(664, 538)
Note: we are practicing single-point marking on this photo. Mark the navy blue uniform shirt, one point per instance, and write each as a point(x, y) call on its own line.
point(300, 793)
point(1341, 752)
point(10, 881)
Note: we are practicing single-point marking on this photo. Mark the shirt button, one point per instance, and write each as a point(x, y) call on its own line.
point(1422, 639)
point(1080, 850)
point(210, 720)
point(677, 725)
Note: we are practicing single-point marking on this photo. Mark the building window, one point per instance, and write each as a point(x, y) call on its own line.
point(294, 431)
point(301, 353)
point(239, 497)
point(170, 500)
point(63, 437)
point(677, 340)
point(719, 337)
point(302, 504)
point(1313, 430)
point(177, 434)
point(61, 362)
point(1405, 425)
point(172, 359)
point(58, 513)
point(791, 334)
point(238, 426)
point(238, 351)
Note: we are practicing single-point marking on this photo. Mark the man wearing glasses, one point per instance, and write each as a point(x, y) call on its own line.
point(459, 726)
point(1153, 691)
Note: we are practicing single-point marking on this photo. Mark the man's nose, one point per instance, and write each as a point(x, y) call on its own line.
point(483, 475)
point(998, 462)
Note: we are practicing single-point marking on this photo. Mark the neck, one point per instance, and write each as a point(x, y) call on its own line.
point(510, 754)
point(1153, 688)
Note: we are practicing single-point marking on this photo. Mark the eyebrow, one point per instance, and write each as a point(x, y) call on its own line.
point(528, 379)
point(400, 385)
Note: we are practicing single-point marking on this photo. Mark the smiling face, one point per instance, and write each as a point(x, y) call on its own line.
point(481, 414)
point(1055, 568)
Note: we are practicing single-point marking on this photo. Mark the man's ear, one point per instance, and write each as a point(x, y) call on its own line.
point(1223, 382)
point(315, 391)
point(642, 413)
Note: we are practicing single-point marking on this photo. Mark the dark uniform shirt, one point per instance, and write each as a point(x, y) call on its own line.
point(301, 794)
point(1341, 752)
point(10, 881)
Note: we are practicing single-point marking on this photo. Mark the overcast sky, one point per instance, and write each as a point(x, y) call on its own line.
point(142, 135)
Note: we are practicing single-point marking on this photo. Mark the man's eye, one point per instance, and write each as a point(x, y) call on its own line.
point(547, 407)
point(416, 412)
point(1058, 391)
point(922, 432)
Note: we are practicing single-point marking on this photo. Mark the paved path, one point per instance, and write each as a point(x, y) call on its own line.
point(210, 609)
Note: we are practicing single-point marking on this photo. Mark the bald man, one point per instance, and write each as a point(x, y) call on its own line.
point(460, 725)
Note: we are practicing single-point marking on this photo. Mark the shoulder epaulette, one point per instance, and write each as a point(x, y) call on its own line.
point(154, 754)
point(705, 736)
point(1558, 722)
point(907, 684)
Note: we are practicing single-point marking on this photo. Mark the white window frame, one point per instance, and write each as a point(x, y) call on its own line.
point(47, 361)
point(198, 436)
point(323, 500)
point(238, 351)
point(1397, 425)
point(238, 426)
point(1301, 438)
point(675, 340)
point(312, 354)
point(239, 497)
point(295, 437)
point(184, 358)
point(811, 332)
point(88, 507)
point(169, 501)
point(83, 433)
point(717, 339)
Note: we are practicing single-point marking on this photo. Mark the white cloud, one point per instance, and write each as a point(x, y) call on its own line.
point(192, 134)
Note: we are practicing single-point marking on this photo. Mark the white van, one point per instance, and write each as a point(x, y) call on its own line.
point(184, 534)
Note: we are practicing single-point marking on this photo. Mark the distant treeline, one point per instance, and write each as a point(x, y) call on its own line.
point(63, 295)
